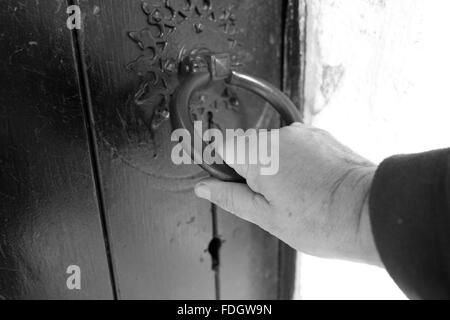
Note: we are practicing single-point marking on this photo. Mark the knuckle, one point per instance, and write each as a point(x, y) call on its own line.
point(290, 133)
point(321, 132)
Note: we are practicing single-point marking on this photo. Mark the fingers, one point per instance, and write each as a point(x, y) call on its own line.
point(252, 153)
point(245, 151)
point(298, 125)
point(235, 198)
point(230, 150)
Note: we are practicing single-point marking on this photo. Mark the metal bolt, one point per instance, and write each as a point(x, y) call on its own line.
point(157, 16)
point(165, 115)
point(234, 102)
point(199, 27)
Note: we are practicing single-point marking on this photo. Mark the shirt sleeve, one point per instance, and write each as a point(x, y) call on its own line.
point(410, 216)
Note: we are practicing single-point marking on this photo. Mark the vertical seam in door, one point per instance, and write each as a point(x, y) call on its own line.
point(284, 8)
point(216, 243)
point(85, 92)
point(283, 76)
point(216, 269)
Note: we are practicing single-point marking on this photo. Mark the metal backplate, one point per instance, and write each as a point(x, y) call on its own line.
point(169, 32)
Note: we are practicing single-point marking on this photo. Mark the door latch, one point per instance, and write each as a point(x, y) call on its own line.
point(199, 71)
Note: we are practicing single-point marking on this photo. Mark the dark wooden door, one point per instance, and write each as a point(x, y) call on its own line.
point(49, 213)
point(86, 168)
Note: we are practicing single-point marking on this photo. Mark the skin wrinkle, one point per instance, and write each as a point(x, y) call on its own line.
point(363, 203)
point(357, 210)
point(338, 184)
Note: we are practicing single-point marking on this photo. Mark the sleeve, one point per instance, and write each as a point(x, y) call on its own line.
point(410, 217)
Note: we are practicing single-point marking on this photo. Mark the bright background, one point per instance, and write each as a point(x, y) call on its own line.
point(378, 79)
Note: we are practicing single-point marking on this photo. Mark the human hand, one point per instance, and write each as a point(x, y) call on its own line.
point(317, 202)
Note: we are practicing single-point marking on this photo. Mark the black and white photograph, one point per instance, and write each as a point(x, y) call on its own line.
point(253, 152)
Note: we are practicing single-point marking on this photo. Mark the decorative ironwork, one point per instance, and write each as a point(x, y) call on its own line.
point(175, 30)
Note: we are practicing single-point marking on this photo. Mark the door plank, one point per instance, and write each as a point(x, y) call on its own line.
point(49, 217)
point(249, 255)
point(159, 231)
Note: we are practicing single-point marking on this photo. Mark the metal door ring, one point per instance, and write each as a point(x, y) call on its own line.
point(199, 72)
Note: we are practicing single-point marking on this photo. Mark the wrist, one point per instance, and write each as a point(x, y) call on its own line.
point(350, 205)
point(365, 239)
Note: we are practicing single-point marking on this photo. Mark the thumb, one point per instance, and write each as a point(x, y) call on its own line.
point(236, 198)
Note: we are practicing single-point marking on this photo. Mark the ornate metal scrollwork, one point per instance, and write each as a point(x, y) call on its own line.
point(177, 29)
point(173, 30)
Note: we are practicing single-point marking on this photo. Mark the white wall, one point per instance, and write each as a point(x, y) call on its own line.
point(377, 78)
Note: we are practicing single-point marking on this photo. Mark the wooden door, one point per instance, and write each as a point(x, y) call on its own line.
point(49, 212)
point(138, 220)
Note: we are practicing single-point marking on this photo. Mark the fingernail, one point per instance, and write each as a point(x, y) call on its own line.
point(202, 191)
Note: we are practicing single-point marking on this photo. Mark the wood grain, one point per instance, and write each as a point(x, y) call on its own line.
point(49, 217)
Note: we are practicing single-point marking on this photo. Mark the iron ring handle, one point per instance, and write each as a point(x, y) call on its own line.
point(181, 118)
